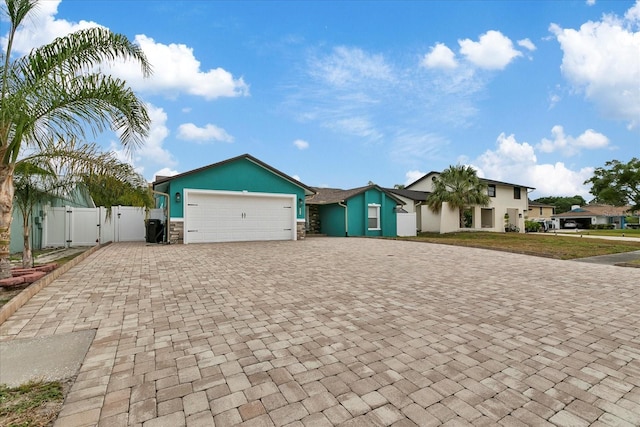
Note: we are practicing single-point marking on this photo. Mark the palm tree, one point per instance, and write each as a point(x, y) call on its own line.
point(57, 90)
point(460, 187)
point(30, 187)
point(61, 168)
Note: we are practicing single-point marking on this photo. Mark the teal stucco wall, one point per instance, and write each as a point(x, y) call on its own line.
point(359, 213)
point(332, 220)
point(332, 216)
point(239, 175)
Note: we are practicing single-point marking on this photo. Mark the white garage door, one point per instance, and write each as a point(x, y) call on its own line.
point(222, 216)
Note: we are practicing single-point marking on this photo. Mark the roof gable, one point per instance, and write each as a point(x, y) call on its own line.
point(415, 195)
point(597, 210)
point(421, 179)
point(165, 179)
point(325, 196)
point(485, 180)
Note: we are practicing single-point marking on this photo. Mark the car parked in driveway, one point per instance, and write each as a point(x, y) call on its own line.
point(570, 224)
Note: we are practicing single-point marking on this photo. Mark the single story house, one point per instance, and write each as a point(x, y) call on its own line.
point(592, 216)
point(239, 199)
point(362, 211)
point(508, 207)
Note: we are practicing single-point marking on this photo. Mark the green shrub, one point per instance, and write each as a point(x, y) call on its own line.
point(532, 226)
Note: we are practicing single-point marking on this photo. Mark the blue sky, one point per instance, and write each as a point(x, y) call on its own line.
point(339, 93)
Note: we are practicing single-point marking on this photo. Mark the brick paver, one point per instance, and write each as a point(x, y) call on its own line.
point(343, 331)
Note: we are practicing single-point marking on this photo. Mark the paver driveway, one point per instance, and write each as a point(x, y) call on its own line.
point(344, 331)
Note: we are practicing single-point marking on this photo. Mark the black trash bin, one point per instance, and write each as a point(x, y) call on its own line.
point(155, 231)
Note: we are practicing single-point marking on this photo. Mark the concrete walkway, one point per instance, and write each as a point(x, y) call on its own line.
point(612, 259)
point(343, 332)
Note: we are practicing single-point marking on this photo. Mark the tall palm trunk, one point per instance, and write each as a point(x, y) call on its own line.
point(6, 215)
point(27, 260)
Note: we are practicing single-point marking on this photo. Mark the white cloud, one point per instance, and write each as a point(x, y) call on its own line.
point(527, 44)
point(301, 145)
point(175, 67)
point(417, 147)
point(569, 145)
point(165, 172)
point(296, 177)
point(440, 56)
point(591, 2)
point(412, 176)
point(517, 163)
point(493, 51)
point(357, 126)
point(176, 70)
point(191, 132)
point(601, 60)
point(152, 151)
point(633, 14)
point(347, 65)
point(41, 28)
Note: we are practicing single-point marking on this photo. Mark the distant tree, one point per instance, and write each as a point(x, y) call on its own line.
point(617, 183)
point(399, 186)
point(562, 204)
point(111, 190)
point(460, 187)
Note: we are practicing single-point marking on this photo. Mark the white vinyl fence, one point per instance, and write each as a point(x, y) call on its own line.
point(406, 224)
point(68, 227)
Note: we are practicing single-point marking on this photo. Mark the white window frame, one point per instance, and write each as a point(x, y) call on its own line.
point(377, 217)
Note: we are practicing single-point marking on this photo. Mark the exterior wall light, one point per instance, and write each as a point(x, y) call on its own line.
point(178, 198)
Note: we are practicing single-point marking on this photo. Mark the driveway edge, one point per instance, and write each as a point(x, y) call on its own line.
point(21, 299)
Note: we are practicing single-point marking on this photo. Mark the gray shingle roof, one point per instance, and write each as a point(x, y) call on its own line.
point(325, 196)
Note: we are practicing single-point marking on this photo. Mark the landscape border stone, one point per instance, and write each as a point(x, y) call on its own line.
point(21, 299)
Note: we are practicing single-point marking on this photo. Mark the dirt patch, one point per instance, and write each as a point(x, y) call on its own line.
point(7, 293)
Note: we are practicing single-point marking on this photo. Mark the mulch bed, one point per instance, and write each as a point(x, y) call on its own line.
point(21, 278)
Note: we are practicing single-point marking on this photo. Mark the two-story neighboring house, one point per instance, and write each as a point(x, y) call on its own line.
point(542, 213)
point(507, 208)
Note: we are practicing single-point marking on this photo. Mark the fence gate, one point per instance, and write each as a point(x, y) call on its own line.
point(87, 226)
point(406, 223)
point(129, 224)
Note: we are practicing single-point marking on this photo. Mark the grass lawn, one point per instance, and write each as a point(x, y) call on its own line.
point(616, 233)
point(34, 404)
point(548, 245)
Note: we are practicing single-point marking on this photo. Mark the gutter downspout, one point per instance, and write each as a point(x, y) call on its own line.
point(346, 218)
point(168, 220)
point(417, 209)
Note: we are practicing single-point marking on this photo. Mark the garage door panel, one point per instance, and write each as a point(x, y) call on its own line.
point(215, 217)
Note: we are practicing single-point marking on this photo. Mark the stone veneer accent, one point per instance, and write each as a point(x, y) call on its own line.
point(301, 232)
point(176, 232)
point(314, 219)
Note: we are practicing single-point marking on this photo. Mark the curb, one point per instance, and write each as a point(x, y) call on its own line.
point(21, 299)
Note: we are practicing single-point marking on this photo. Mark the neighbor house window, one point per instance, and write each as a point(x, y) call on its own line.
point(516, 192)
point(491, 190)
point(373, 220)
point(540, 211)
